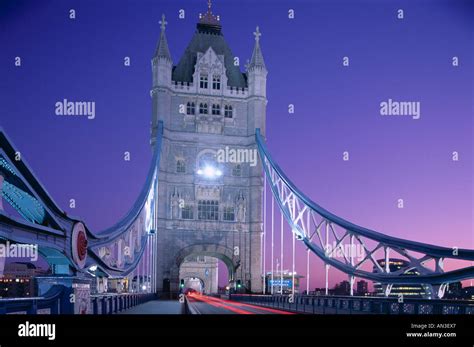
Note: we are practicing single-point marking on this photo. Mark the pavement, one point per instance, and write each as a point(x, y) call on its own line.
point(157, 307)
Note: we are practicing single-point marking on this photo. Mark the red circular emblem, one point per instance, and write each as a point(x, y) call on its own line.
point(81, 245)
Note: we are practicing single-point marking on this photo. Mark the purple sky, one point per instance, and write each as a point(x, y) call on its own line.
point(336, 107)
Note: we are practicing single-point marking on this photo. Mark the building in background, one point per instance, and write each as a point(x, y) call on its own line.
point(362, 288)
point(342, 288)
point(454, 291)
point(282, 281)
point(322, 291)
point(405, 290)
point(467, 293)
point(18, 279)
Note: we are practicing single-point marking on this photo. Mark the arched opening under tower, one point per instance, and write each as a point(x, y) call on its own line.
point(193, 284)
point(210, 262)
point(199, 273)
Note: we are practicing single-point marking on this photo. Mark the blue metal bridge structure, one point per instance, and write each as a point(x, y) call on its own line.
point(121, 259)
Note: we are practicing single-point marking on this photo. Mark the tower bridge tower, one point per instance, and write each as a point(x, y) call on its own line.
point(208, 206)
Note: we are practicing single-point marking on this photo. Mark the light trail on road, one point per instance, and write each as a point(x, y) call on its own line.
point(228, 306)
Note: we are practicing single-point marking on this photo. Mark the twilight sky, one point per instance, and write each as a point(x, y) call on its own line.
point(336, 107)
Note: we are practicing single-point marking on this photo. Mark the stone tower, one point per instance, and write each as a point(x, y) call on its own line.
point(210, 189)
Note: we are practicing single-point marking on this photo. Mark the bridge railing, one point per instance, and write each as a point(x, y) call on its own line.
point(57, 301)
point(357, 305)
point(51, 303)
point(115, 303)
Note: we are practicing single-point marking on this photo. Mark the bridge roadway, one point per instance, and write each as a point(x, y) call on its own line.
point(202, 304)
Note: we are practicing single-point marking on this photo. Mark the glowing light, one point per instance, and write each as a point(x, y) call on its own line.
point(93, 268)
point(210, 172)
point(144, 287)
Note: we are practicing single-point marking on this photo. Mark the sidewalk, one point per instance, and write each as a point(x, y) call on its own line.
point(157, 307)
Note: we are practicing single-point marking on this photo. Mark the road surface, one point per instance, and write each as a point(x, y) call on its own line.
point(201, 304)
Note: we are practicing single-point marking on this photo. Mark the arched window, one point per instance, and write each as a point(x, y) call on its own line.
point(228, 111)
point(187, 212)
point(190, 108)
point(229, 214)
point(202, 108)
point(180, 166)
point(216, 82)
point(203, 82)
point(216, 109)
point(208, 210)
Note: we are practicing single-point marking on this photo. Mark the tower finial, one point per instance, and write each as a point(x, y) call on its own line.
point(162, 49)
point(163, 22)
point(257, 34)
point(208, 18)
point(257, 57)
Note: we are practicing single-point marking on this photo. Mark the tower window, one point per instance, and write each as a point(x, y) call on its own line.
point(229, 214)
point(208, 210)
point(228, 111)
point(237, 170)
point(187, 212)
point(216, 109)
point(180, 166)
point(202, 108)
point(216, 82)
point(190, 108)
point(203, 82)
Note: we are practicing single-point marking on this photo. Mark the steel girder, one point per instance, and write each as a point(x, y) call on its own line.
point(117, 250)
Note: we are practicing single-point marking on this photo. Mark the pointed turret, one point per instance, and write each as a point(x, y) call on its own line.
point(256, 69)
point(162, 49)
point(162, 67)
point(257, 56)
point(161, 62)
point(257, 82)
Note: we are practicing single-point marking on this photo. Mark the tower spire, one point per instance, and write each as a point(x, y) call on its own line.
point(257, 56)
point(162, 49)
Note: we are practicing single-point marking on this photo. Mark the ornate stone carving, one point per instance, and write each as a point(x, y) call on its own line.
point(175, 204)
point(208, 193)
point(241, 208)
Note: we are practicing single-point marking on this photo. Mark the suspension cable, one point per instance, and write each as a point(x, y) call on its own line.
point(273, 245)
point(307, 252)
point(264, 230)
point(281, 253)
